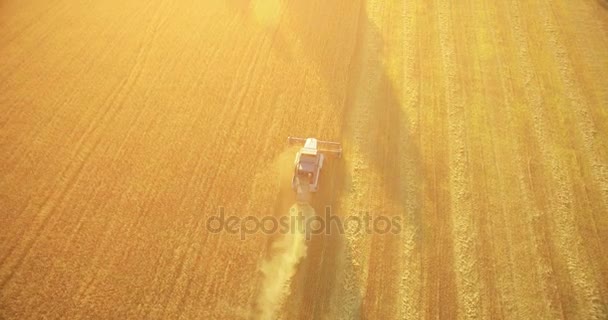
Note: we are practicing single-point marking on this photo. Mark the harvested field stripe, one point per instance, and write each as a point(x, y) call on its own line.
point(464, 234)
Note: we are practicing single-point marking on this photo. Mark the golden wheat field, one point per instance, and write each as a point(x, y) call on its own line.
point(126, 127)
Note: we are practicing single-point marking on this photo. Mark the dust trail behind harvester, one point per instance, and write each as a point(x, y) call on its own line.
point(285, 254)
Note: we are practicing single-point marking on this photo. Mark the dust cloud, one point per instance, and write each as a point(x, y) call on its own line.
point(285, 254)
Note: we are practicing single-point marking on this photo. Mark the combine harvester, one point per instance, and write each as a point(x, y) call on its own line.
point(308, 163)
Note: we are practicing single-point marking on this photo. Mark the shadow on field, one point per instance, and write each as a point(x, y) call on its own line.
point(393, 152)
point(389, 148)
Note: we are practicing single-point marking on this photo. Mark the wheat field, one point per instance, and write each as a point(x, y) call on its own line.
point(126, 125)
